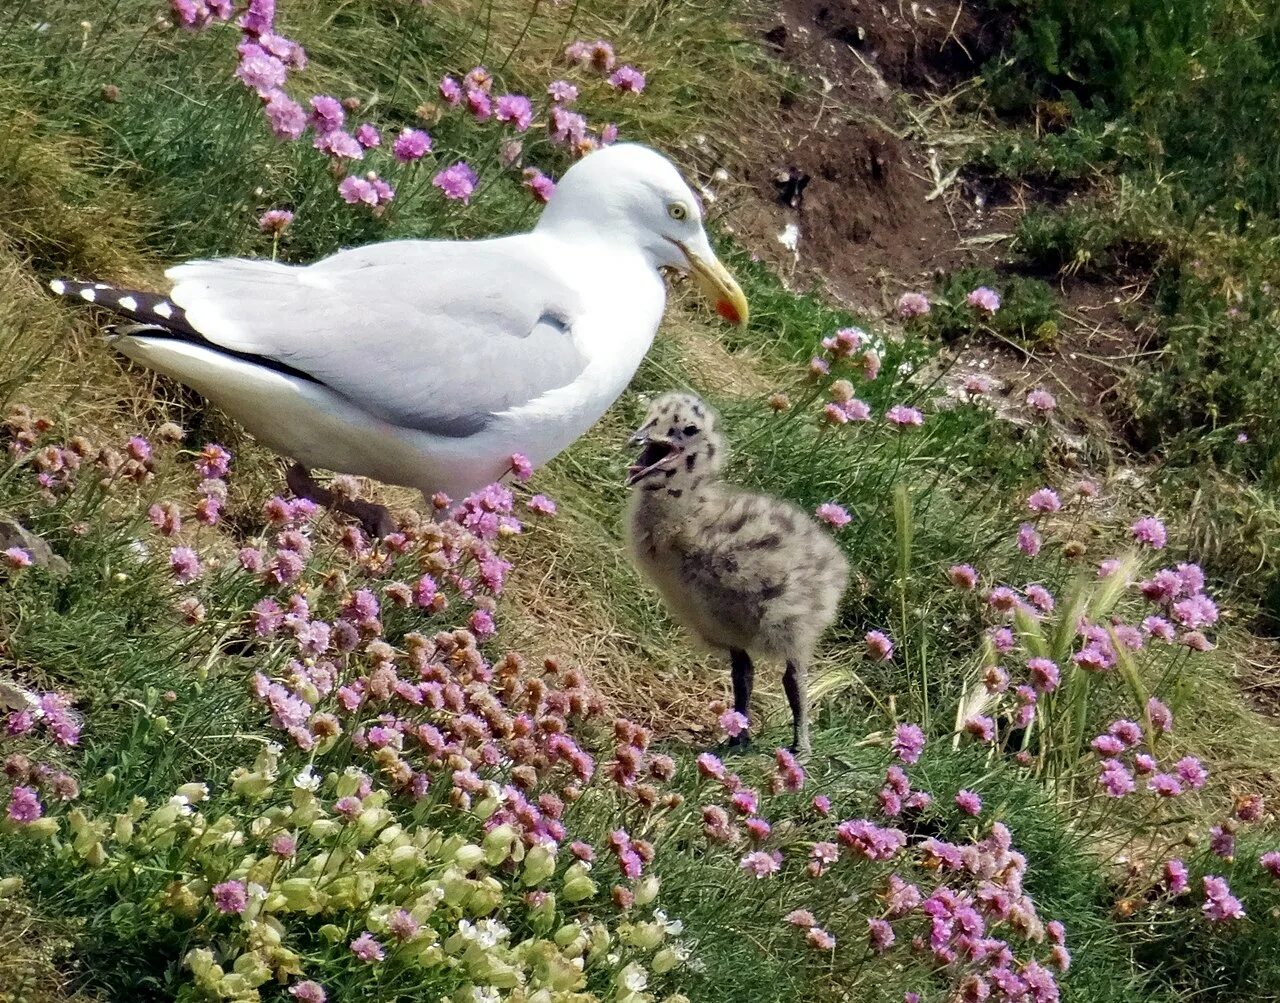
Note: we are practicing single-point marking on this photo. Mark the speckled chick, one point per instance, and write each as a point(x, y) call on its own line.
point(744, 573)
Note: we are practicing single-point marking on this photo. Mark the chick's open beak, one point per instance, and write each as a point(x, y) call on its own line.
point(716, 284)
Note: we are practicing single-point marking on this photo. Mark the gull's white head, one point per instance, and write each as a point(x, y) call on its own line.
point(632, 193)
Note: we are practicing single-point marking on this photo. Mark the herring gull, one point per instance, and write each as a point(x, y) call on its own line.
point(428, 363)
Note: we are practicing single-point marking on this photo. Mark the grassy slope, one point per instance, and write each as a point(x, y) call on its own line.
point(114, 189)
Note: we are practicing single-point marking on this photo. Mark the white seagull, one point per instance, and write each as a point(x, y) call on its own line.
point(428, 363)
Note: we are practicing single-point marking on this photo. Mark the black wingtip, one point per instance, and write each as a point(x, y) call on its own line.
point(145, 308)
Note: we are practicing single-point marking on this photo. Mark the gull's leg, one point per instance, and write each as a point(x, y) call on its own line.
point(743, 679)
point(795, 682)
point(376, 519)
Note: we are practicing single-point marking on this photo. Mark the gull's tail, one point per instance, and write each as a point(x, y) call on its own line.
point(147, 310)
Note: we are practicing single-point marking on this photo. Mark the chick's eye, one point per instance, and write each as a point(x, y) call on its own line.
point(678, 210)
point(691, 430)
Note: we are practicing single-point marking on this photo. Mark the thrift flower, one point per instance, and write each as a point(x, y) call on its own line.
point(984, 299)
point(411, 145)
point(1029, 540)
point(230, 897)
point(1042, 400)
point(1191, 772)
point(802, 918)
point(1271, 862)
point(963, 576)
point(913, 305)
point(521, 466)
point(562, 92)
point(879, 647)
point(908, 742)
point(368, 136)
point(1219, 904)
point(275, 221)
point(1150, 531)
point(538, 185)
point(820, 939)
point(16, 557)
point(542, 505)
point(457, 182)
point(761, 864)
point(733, 723)
point(1175, 876)
point(969, 802)
point(904, 417)
point(307, 992)
point(185, 564)
point(1165, 785)
point(627, 78)
point(880, 935)
point(24, 805)
point(326, 113)
point(1044, 500)
point(450, 90)
point(516, 109)
point(367, 949)
point(833, 515)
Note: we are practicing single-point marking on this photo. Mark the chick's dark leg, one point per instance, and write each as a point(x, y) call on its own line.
point(375, 519)
point(744, 674)
point(795, 682)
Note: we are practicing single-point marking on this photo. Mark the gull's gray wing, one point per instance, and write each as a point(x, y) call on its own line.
point(431, 335)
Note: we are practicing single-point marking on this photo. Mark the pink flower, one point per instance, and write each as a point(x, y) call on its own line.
point(1029, 540)
point(802, 918)
point(1115, 779)
point(969, 802)
point(869, 840)
point(904, 417)
point(562, 92)
point(833, 515)
point(908, 742)
point(538, 185)
point(326, 113)
point(411, 145)
point(1040, 597)
point(963, 576)
point(1191, 772)
point(308, 992)
point(16, 557)
point(1221, 842)
point(627, 78)
point(521, 466)
point(1157, 626)
point(987, 300)
point(733, 723)
point(1175, 876)
point(184, 564)
point(542, 505)
point(761, 864)
point(285, 845)
point(479, 104)
point(367, 949)
point(913, 305)
point(1271, 862)
point(758, 829)
point(481, 623)
point(880, 935)
point(879, 646)
point(710, 766)
point(516, 109)
point(1219, 904)
point(980, 727)
point(368, 136)
point(450, 90)
point(339, 145)
point(1044, 500)
point(230, 897)
point(566, 126)
point(355, 190)
point(1044, 674)
point(977, 385)
point(1151, 531)
point(275, 221)
point(822, 805)
point(845, 342)
point(1165, 785)
point(24, 805)
point(820, 939)
point(259, 70)
point(402, 924)
point(1042, 400)
point(213, 461)
point(457, 182)
point(478, 79)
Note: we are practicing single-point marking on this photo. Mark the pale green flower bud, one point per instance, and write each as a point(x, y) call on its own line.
point(324, 828)
point(646, 889)
point(665, 960)
point(194, 792)
point(330, 933)
point(539, 864)
point(485, 897)
point(567, 934)
point(485, 808)
point(468, 857)
point(497, 844)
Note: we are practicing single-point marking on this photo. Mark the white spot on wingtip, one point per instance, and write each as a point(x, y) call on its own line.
point(59, 287)
point(88, 295)
point(128, 303)
point(163, 309)
point(101, 285)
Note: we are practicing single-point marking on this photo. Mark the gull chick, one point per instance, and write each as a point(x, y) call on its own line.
point(744, 573)
point(428, 363)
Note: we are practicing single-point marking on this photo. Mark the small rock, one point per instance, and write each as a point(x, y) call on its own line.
point(14, 534)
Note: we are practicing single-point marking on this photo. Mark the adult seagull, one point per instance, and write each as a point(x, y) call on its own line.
point(428, 363)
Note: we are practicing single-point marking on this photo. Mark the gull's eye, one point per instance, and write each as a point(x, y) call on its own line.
point(678, 210)
point(691, 430)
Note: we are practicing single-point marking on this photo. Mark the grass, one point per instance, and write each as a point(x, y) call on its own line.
point(115, 885)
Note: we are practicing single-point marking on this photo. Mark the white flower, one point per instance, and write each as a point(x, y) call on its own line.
point(634, 978)
point(180, 802)
point(306, 780)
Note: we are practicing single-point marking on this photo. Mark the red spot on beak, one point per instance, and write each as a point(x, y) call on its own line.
point(728, 311)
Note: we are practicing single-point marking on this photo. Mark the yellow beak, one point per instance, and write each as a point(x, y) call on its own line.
point(718, 286)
